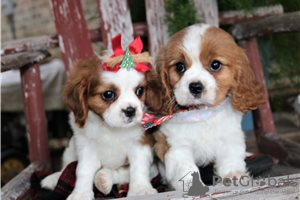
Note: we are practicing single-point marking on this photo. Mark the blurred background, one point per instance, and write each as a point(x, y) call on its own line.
point(280, 56)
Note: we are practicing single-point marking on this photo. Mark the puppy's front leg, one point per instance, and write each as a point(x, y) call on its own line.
point(140, 160)
point(88, 164)
point(230, 159)
point(179, 161)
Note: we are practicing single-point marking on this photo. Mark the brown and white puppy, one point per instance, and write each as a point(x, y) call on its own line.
point(106, 112)
point(202, 66)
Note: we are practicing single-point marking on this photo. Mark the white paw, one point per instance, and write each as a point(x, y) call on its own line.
point(140, 190)
point(103, 181)
point(50, 181)
point(85, 195)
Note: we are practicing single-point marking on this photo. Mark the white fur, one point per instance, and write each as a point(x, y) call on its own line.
point(218, 139)
point(107, 144)
point(196, 73)
point(126, 81)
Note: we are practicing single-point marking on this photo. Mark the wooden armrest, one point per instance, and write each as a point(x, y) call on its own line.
point(275, 24)
point(37, 43)
point(19, 186)
point(19, 60)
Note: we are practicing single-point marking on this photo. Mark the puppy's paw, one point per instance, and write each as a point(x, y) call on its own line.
point(103, 181)
point(141, 190)
point(85, 195)
point(239, 177)
point(50, 181)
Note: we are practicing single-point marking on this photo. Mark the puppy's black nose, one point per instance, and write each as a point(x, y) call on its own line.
point(129, 111)
point(196, 88)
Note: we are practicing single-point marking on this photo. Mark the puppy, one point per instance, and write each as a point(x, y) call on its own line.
point(201, 68)
point(107, 100)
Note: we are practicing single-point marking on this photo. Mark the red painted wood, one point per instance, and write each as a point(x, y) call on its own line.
point(36, 124)
point(263, 118)
point(157, 28)
point(72, 30)
point(115, 18)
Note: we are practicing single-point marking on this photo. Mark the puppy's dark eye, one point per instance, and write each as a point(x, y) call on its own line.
point(215, 66)
point(180, 67)
point(109, 95)
point(139, 91)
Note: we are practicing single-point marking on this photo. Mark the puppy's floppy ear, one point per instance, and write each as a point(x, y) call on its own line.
point(82, 79)
point(163, 75)
point(247, 94)
point(153, 91)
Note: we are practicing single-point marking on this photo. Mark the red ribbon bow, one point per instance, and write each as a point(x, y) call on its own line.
point(135, 47)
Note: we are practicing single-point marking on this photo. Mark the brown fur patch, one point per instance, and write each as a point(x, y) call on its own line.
point(236, 77)
point(161, 145)
point(147, 139)
point(166, 60)
point(80, 85)
point(95, 101)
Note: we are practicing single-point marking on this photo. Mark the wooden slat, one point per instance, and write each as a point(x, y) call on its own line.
point(72, 30)
point(19, 186)
point(277, 192)
point(36, 124)
point(275, 24)
point(115, 18)
point(208, 11)
point(263, 119)
point(237, 16)
point(157, 28)
point(38, 43)
point(19, 60)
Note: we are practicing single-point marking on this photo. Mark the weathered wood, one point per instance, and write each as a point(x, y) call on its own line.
point(157, 28)
point(46, 42)
point(72, 30)
point(19, 60)
point(19, 186)
point(237, 16)
point(287, 151)
point(263, 119)
point(36, 124)
point(140, 28)
point(208, 11)
point(29, 44)
point(275, 24)
point(278, 191)
point(115, 18)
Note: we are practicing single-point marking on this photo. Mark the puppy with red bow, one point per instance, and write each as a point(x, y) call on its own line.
point(107, 99)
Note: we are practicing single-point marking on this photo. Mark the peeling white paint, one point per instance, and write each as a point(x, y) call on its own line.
point(61, 44)
point(26, 95)
point(33, 70)
point(116, 18)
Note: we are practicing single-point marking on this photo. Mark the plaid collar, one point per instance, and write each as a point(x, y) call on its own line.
point(183, 115)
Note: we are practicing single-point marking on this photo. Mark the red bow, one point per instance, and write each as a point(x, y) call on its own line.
point(135, 47)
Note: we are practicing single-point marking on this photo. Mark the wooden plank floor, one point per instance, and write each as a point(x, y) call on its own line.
point(277, 192)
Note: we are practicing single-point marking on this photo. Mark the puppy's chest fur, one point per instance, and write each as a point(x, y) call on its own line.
point(112, 146)
point(204, 138)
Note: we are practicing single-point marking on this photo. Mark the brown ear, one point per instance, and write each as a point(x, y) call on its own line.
point(82, 79)
point(166, 89)
point(247, 94)
point(153, 92)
